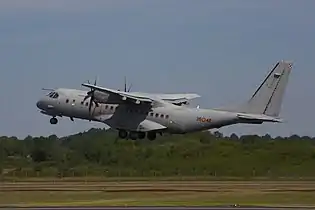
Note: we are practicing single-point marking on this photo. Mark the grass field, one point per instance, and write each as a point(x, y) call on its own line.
point(201, 193)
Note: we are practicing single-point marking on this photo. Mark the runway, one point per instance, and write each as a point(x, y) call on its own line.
point(162, 208)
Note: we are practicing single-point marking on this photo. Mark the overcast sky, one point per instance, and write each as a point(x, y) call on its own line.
point(218, 49)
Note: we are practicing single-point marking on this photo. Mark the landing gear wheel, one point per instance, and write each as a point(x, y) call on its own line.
point(122, 134)
point(133, 135)
point(53, 121)
point(141, 135)
point(151, 136)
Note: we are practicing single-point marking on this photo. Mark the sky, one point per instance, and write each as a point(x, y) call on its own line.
point(221, 50)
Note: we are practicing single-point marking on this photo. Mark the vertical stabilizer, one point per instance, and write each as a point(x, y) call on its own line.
point(267, 99)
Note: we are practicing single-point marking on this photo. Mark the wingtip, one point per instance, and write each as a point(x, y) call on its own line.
point(287, 61)
point(86, 85)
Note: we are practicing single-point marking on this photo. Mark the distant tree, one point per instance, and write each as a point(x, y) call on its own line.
point(97, 153)
point(39, 155)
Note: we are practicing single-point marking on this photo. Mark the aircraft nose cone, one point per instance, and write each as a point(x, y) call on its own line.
point(39, 104)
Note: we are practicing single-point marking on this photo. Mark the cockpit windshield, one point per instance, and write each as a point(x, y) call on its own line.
point(53, 95)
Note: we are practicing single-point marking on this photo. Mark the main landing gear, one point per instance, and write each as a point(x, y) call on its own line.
point(136, 135)
point(53, 121)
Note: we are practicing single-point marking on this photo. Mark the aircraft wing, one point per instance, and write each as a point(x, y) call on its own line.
point(124, 95)
point(178, 98)
point(138, 97)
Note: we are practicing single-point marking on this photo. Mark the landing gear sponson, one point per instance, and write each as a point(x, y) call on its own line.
point(136, 135)
point(123, 134)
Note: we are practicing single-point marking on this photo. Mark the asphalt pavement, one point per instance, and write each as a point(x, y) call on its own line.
point(162, 208)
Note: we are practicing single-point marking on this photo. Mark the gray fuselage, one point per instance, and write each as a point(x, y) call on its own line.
point(176, 119)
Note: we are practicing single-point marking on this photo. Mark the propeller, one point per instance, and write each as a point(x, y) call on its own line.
point(125, 87)
point(91, 95)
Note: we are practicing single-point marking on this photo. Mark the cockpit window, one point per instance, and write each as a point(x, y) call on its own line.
point(50, 94)
point(56, 95)
point(53, 95)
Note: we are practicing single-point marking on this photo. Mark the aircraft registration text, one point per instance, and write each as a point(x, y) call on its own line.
point(203, 119)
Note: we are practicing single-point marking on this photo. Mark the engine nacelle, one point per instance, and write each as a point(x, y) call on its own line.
point(181, 103)
point(100, 97)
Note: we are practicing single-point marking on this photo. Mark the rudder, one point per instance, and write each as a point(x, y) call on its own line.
point(268, 98)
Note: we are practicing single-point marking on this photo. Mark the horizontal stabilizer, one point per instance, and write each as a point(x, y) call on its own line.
point(258, 117)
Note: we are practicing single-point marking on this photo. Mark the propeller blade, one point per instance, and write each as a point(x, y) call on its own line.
point(129, 87)
point(90, 94)
point(90, 104)
point(95, 80)
point(125, 88)
point(86, 97)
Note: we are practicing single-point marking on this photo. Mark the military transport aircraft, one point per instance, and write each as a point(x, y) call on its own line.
point(138, 115)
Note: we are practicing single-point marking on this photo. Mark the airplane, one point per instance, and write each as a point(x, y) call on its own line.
point(137, 116)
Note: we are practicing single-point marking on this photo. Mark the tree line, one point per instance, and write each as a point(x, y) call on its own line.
point(98, 152)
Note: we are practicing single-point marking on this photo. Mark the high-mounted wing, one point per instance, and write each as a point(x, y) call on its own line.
point(177, 96)
point(124, 95)
point(147, 98)
point(174, 98)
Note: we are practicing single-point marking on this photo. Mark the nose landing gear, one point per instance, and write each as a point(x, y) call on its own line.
point(53, 121)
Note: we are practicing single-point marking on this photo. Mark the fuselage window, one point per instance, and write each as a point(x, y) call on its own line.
point(67, 101)
point(162, 115)
point(166, 116)
point(82, 102)
point(87, 103)
point(111, 107)
point(151, 114)
point(106, 107)
point(156, 115)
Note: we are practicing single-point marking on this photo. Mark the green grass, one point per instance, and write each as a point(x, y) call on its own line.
point(196, 193)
